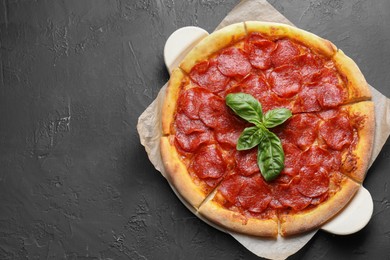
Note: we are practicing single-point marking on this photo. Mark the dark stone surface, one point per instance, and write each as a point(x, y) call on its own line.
point(75, 183)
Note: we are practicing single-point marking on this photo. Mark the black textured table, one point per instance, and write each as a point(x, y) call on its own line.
point(75, 182)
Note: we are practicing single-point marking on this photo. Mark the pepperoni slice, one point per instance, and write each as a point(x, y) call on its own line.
point(233, 62)
point(187, 126)
point(229, 137)
point(191, 142)
point(231, 186)
point(292, 156)
point(313, 98)
point(318, 200)
point(337, 132)
point(259, 51)
point(251, 193)
point(325, 75)
point(269, 100)
point(232, 87)
point(300, 130)
point(190, 101)
point(330, 95)
point(320, 157)
point(307, 101)
point(207, 75)
point(314, 181)
point(246, 162)
point(255, 195)
point(260, 203)
point(309, 65)
point(255, 38)
point(283, 178)
point(208, 163)
point(288, 196)
point(214, 112)
point(254, 84)
point(285, 52)
point(285, 81)
point(328, 114)
point(276, 204)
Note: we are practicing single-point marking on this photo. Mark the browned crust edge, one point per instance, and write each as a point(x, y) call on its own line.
point(235, 221)
point(357, 85)
point(366, 133)
point(280, 30)
point(292, 224)
point(170, 100)
point(178, 175)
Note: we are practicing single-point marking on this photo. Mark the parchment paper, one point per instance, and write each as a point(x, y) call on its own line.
point(149, 129)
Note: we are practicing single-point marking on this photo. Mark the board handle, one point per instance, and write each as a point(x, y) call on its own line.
point(179, 43)
point(354, 217)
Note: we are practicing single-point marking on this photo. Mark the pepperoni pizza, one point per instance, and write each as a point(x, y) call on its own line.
point(327, 141)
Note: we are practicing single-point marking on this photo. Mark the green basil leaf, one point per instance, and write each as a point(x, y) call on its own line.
point(249, 138)
point(276, 117)
point(270, 156)
point(246, 106)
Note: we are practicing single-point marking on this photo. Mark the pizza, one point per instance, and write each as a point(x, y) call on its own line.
point(326, 141)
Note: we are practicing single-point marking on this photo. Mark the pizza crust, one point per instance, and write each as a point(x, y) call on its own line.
point(235, 221)
point(178, 175)
point(361, 154)
point(170, 100)
point(358, 89)
point(279, 30)
point(292, 224)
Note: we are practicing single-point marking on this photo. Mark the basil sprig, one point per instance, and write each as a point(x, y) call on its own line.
point(270, 155)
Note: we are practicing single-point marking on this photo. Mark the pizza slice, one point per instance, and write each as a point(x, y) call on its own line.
point(335, 147)
point(325, 194)
point(196, 126)
point(348, 130)
point(196, 177)
point(241, 204)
